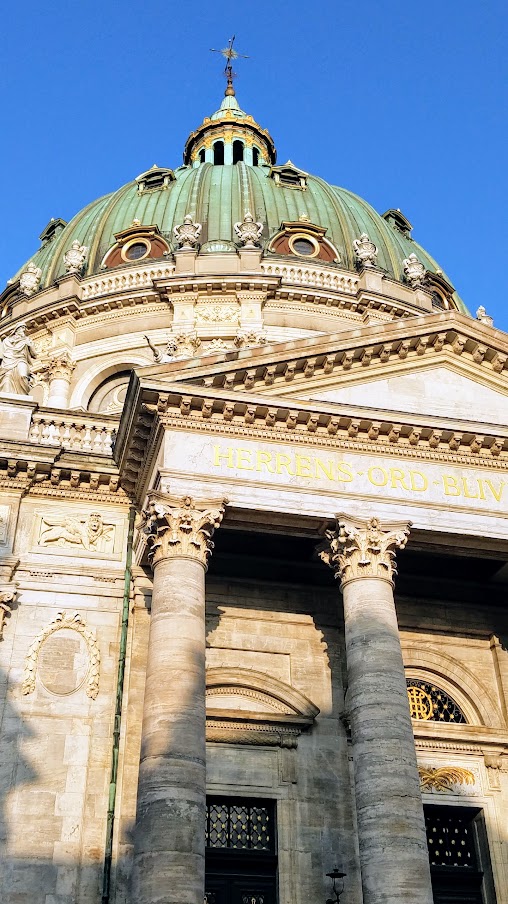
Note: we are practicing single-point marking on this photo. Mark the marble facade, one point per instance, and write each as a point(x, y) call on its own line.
point(198, 576)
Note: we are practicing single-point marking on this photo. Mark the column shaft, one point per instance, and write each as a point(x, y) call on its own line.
point(59, 393)
point(170, 822)
point(169, 849)
point(391, 828)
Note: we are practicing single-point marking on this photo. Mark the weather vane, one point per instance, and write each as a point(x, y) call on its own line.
point(230, 54)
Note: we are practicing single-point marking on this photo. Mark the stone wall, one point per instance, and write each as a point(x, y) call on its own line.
point(55, 747)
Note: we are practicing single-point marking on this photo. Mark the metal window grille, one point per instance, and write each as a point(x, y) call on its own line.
point(429, 703)
point(240, 825)
point(450, 837)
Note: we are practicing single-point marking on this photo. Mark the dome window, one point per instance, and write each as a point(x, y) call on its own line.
point(218, 153)
point(237, 151)
point(441, 291)
point(397, 219)
point(289, 176)
point(304, 245)
point(136, 250)
point(255, 156)
point(54, 228)
point(202, 155)
point(304, 239)
point(155, 179)
point(136, 244)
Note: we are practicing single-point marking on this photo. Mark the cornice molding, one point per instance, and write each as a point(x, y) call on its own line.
point(159, 406)
point(372, 349)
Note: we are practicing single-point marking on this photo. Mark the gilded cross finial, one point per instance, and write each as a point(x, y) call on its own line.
point(230, 54)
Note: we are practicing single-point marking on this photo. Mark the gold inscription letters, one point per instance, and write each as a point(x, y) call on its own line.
point(406, 480)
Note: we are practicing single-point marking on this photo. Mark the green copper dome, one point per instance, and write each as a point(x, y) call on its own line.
point(217, 196)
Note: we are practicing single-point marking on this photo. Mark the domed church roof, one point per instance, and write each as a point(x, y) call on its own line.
point(229, 168)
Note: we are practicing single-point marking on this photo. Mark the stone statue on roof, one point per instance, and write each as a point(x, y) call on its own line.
point(17, 354)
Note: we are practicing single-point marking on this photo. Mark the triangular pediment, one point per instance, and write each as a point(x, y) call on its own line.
point(437, 383)
point(438, 390)
point(442, 364)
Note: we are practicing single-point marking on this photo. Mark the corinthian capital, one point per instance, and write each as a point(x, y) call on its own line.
point(363, 549)
point(60, 366)
point(181, 528)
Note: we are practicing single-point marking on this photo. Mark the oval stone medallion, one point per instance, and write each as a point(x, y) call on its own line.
point(64, 661)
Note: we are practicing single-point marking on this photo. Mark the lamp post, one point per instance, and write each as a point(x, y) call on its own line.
point(337, 885)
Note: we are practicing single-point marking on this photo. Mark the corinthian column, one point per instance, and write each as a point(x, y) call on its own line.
point(391, 829)
point(60, 370)
point(169, 849)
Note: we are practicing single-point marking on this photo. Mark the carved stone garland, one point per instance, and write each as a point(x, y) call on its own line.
point(75, 622)
point(363, 548)
point(181, 528)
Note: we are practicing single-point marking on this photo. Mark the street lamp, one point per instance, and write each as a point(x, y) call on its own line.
point(337, 885)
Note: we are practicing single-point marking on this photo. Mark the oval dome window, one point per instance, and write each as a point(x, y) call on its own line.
point(136, 251)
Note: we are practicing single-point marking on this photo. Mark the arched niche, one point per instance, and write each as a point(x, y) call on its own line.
point(98, 373)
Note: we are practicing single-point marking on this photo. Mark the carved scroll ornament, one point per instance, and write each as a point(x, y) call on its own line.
point(363, 548)
point(181, 528)
point(75, 622)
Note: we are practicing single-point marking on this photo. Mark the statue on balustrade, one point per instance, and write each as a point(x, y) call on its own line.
point(17, 354)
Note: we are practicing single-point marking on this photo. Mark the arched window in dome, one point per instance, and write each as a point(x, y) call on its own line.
point(438, 301)
point(218, 153)
point(441, 291)
point(202, 155)
point(428, 703)
point(237, 151)
point(255, 156)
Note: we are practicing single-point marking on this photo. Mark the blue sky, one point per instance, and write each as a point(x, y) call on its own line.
point(404, 104)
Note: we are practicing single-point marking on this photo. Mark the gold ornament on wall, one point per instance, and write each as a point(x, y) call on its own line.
point(420, 704)
point(442, 778)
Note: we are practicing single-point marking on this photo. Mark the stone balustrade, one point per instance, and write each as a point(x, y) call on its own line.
point(80, 432)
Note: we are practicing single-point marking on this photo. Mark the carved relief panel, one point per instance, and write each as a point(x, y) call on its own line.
point(64, 657)
point(90, 534)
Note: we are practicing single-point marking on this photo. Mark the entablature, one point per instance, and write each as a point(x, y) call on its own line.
point(155, 406)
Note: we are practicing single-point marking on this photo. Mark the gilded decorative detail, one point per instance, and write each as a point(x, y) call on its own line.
point(75, 622)
point(420, 704)
point(362, 549)
point(181, 528)
point(443, 778)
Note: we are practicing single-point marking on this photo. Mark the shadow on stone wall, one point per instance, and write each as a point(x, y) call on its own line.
point(36, 865)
